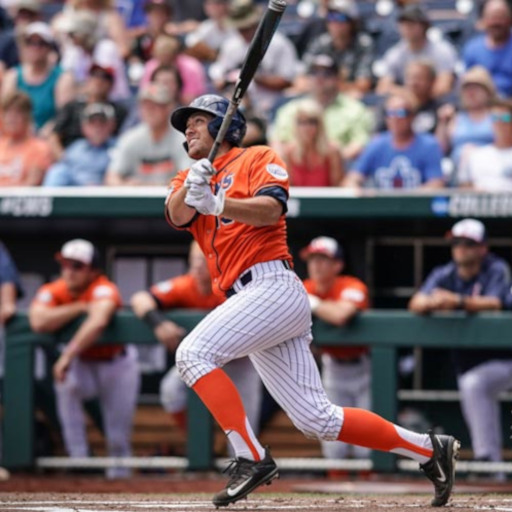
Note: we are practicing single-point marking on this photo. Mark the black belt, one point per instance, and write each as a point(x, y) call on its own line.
point(247, 278)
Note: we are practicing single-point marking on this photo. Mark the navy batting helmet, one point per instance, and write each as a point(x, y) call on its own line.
point(216, 106)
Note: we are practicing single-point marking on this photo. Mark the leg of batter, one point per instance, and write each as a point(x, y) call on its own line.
point(270, 320)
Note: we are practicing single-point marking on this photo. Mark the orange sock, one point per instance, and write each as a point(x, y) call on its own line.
point(365, 428)
point(222, 399)
point(180, 418)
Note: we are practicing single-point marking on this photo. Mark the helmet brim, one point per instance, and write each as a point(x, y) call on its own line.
point(181, 115)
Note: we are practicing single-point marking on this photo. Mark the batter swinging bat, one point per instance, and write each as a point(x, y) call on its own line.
point(255, 54)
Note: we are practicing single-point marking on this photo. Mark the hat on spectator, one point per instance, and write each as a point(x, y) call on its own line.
point(103, 71)
point(156, 93)
point(470, 229)
point(480, 76)
point(346, 7)
point(243, 14)
point(103, 110)
point(80, 250)
point(323, 245)
point(163, 4)
point(40, 29)
point(414, 12)
point(83, 23)
point(322, 60)
point(26, 5)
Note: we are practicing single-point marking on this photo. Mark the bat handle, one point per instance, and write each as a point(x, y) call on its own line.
point(230, 112)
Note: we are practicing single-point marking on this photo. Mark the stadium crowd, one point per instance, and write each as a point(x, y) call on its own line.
point(373, 94)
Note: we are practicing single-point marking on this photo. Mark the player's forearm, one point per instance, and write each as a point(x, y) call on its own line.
point(255, 211)
point(179, 213)
point(420, 304)
point(86, 336)
point(142, 302)
point(476, 304)
point(51, 319)
point(335, 313)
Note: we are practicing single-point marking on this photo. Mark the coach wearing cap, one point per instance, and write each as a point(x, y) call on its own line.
point(475, 280)
point(85, 162)
point(86, 369)
point(336, 299)
point(413, 23)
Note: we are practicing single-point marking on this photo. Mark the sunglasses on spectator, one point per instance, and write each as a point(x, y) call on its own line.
point(337, 16)
point(72, 264)
point(400, 113)
point(37, 43)
point(505, 117)
point(464, 242)
point(308, 120)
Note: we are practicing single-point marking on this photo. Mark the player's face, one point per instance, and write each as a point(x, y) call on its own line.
point(76, 274)
point(322, 268)
point(467, 253)
point(198, 137)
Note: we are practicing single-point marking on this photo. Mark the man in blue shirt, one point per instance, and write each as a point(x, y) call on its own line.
point(85, 161)
point(399, 158)
point(475, 280)
point(493, 48)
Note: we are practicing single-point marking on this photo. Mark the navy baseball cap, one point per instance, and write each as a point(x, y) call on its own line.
point(323, 245)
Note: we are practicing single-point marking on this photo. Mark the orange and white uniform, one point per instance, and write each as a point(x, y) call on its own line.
point(346, 370)
point(183, 292)
point(109, 372)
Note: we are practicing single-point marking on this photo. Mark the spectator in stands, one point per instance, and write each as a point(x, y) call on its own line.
point(24, 158)
point(493, 48)
point(86, 160)
point(420, 77)
point(84, 46)
point(352, 48)
point(413, 23)
point(23, 13)
point(489, 168)
point(459, 132)
point(347, 121)
point(167, 51)
point(475, 280)
point(47, 85)
point(256, 132)
point(204, 43)
point(311, 160)
point(399, 158)
point(85, 370)
point(191, 291)
point(336, 299)
point(276, 71)
point(68, 124)
point(110, 23)
point(152, 152)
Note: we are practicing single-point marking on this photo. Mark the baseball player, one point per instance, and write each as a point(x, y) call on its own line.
point(336, 299)
point(84, 370)
point(191, 291)
point(235, 209)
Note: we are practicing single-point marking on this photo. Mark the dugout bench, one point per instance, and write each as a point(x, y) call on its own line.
point(384, 331)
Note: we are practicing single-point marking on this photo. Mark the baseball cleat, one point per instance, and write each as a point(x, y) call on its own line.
point(245, 476)
point(440, 469)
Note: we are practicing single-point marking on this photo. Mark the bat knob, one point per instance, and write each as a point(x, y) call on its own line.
point(277, 5)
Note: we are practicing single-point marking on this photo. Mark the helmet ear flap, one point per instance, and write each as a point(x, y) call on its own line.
point(214, 126)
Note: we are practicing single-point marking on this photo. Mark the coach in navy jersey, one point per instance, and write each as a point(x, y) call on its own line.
point(475, 280)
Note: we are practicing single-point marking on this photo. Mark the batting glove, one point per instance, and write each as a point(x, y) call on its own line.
point(204, 200)
point(200, 173)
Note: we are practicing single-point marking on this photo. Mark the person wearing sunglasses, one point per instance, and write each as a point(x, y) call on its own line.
point(489, 168)
point(86, 370)
point(474, 280)
point(398, 158)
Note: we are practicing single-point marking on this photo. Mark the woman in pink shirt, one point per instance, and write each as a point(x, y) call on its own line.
point(311, 159)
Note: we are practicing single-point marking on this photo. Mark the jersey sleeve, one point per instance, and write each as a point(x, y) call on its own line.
point(106, 291)
point(356, 292)
point(174, 186)
point(433, 281)
point(46, 296)
point(268, 176)
point(167, 293)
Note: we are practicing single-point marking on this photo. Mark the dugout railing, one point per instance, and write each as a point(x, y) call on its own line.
point(385, 331)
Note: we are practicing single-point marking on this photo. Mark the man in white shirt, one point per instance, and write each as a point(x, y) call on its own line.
point(489, 168)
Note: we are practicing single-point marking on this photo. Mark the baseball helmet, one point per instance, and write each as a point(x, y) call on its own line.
point(216, 106)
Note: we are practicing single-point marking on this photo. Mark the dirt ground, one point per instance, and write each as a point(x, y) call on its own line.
point(190, 492)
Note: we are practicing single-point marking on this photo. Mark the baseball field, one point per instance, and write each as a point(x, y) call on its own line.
point(189, 493)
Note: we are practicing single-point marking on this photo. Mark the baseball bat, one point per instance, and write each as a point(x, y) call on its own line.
point(257, 49)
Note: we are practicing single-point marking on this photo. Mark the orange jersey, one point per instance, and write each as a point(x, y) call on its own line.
point(231, 247)
point(345, 288)
point(183, 292)
point(56, 293)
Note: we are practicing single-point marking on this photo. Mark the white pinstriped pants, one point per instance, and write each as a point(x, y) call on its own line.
point(268, 320)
